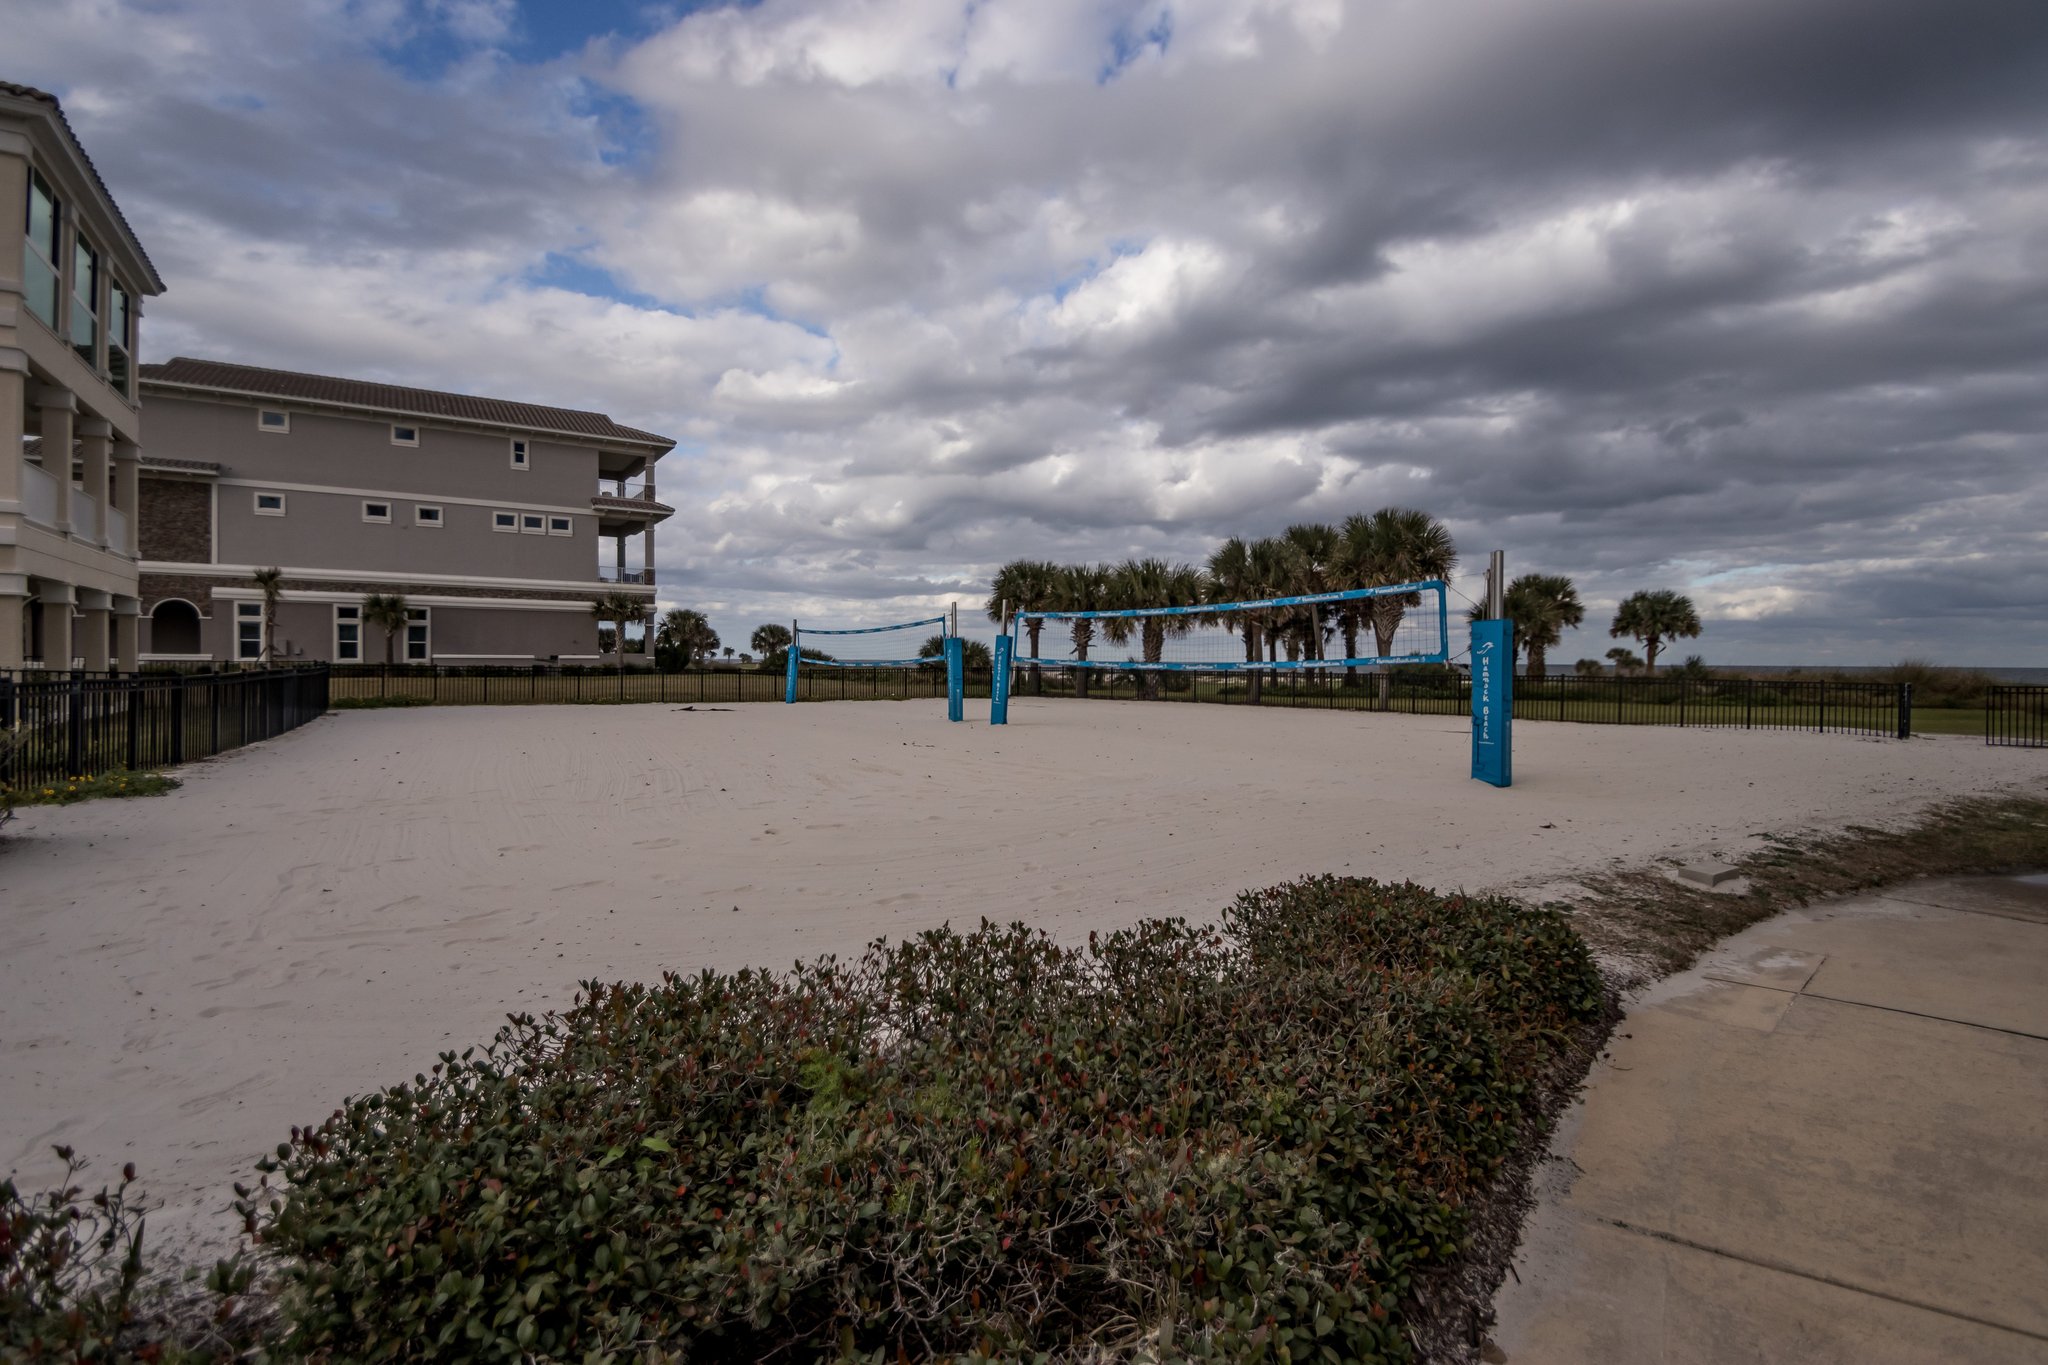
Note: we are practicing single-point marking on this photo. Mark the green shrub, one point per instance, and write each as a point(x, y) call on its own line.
point(1230, 1143)
point(69, 1266)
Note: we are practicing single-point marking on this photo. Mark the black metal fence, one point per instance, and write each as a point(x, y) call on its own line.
point(2016, 717)
point(486, 685)
point(1867, 708)
point(64, 724)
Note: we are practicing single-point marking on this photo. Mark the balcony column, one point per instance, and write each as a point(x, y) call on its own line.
point(56, 598)
point(127, 634)
point(95, 611)
point(619, 557)
point(128, 494)
point(13, 619)
point(13, 416)
point(95, 449)
point(59, 407)
point(647, 552)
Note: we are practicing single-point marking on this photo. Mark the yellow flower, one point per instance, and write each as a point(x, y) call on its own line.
point(49, 791)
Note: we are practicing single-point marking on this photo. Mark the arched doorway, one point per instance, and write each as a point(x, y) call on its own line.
point(174, 628)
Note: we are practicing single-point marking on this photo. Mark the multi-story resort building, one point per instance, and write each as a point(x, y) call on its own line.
point(488, 516)
point(72, 277)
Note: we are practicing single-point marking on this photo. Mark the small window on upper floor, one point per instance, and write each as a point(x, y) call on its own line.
point(270, 504)
point(426, 516)
point(377, 511)
point(532, 523)
point(505, 521)
point(561, 526)
point(404, 436)
point(519, 456)
point(273, 419)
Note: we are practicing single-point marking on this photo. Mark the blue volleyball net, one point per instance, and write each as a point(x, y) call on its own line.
point(1403, 623)
point(928, 646)
point(893, 646)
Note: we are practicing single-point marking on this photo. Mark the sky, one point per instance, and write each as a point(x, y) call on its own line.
point(1743, 298)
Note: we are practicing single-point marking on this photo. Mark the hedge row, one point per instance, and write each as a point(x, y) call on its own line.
point(1236, 1143)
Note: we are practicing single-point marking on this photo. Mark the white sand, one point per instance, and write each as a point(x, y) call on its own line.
point(182, 978)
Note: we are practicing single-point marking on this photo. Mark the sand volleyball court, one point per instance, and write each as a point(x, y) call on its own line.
point(183, 978)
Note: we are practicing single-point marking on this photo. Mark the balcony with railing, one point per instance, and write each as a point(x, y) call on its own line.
point(632, 577)
point(38, 494)
point(117, 532)
point(628, 511)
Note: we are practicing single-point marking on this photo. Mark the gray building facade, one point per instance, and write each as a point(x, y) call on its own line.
point(491, 518)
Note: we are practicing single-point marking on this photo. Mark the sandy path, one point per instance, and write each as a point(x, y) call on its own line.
point(183, 978)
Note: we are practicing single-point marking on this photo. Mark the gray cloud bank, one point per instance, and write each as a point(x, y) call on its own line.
point(1745, 298)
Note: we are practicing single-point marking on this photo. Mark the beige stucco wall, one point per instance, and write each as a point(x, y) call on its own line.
point(328, 465)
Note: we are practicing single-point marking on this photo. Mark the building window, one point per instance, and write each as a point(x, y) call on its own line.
point(378, 512)
point(120, 336)
point(418, 645)
point(519, 455)
point(39, 263)
point(270, 504)
point(348, 635)
point(85, 302)
point(271, 419)
point(248, 630)
point(532, 524)
point(505, 521)
point(561, 526)
point(405, 436)
point(426, 516)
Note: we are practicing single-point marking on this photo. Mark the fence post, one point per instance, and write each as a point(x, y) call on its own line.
point(1823, 708)
point(213, 702)
point(1905, 710)
point(1683, 687)
point(134, 723)
point(1748, 700)
point(74, 742)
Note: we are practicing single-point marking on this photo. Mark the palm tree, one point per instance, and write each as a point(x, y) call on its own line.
point(1269, 579)
point(387, 612)
point(1624, 660)
point(769, 641)
point(622, 608)
point(1542, 606)
point(1232, 578)
point(1653, 617)
point(1025, 585)
point(1392, 546)
point(271, 581)
point(1081, 587)
point(1311, 560)
point(688, 634)
point(1138, 583)
point(1587, 668)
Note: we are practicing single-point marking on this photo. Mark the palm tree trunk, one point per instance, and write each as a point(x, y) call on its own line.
point(1155, 650)
point(1650, 648)
point(1251, 656)
point(1084, 635)
point(1350, 619)
point(1385, 621)
point(1037, 672)
point(1538, 664)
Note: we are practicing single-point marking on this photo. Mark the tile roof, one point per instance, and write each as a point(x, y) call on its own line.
point(29, 92)
point(219, 376)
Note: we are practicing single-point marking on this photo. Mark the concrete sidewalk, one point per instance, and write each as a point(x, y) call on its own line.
point(1827, 1143)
